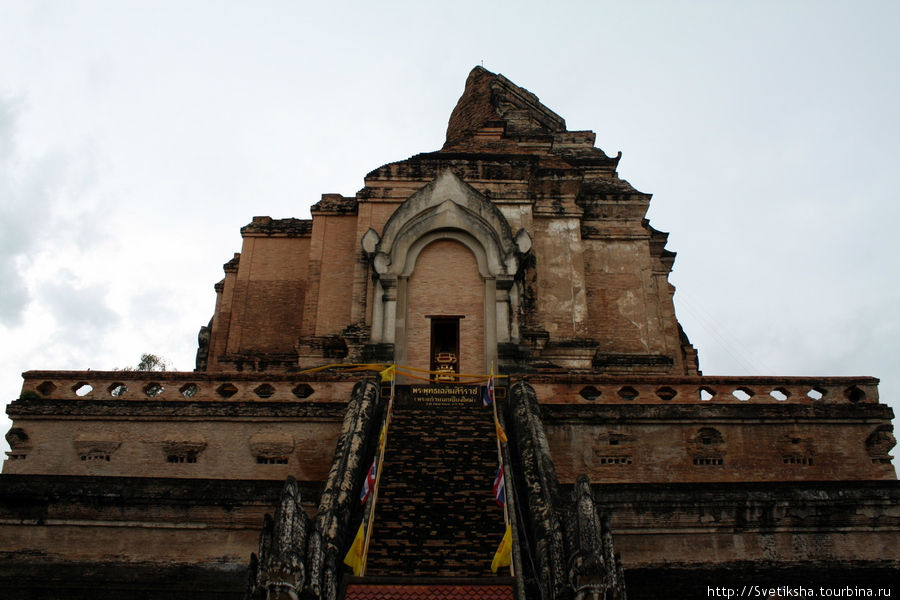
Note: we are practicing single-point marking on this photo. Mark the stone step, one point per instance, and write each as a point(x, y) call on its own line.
point(384, 588)
point(436, 513)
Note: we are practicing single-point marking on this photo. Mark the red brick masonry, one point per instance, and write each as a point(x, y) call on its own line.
point(499, 588)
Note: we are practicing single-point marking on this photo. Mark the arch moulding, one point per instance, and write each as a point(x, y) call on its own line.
point(445, 209)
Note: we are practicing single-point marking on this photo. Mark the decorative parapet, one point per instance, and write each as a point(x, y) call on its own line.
point(660, 389)
point(551, 389)
point(184, 386)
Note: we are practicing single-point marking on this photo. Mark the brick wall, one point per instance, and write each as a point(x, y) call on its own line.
point(561, 294)
point(268, 295)
point(135, 520)
point(225, 448)
point(340, 250)
point(446, 282)
point(624, 316)
point(638, 444)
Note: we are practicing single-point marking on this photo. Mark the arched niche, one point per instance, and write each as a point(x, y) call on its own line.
point(445, 209)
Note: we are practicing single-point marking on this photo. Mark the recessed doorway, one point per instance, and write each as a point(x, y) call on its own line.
point(444, 347)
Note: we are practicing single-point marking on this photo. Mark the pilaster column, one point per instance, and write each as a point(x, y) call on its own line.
point(399, 321)
point(389, 307)
point(377, 332)
point(503, 284)
point(490, 322)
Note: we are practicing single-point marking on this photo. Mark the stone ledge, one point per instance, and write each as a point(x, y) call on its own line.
point(605, 413)
point(33, 490)
point(822, 491)
point(26, 577)
point(797, 508)
point(306, 411)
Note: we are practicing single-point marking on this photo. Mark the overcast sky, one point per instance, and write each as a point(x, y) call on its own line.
point(136, 138)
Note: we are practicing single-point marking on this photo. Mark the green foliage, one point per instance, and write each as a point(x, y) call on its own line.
point(149, 362)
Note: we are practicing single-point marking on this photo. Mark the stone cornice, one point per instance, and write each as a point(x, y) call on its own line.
point(37, 490)
point(581, 414)
point(332, 412)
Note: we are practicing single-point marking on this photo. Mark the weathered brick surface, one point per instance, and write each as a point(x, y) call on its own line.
point(225, 447)
point(132, 433)
point(446, 282)
point(531, 236)
point(562, 303)
point(436, 514)
point(167, 520)
point(28, 579)
point(594, 277)
point(338, 261)
point(633, 449)
point(772, 524)
point(266, 297)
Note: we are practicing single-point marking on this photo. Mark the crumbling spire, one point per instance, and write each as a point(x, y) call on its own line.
point(490, 99)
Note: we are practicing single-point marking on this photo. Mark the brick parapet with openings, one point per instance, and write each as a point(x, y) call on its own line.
point(188, 386)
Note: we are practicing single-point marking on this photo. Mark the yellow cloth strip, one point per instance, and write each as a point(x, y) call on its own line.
point(410, 375)
point(503, 556)
point(355, 367)
point(481, 375)
point(456, 382)
point(388, 374)
point(501, 435)
point(354, 557)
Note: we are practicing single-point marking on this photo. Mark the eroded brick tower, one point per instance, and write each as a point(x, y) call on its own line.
point(517, 249)
point(548, 253)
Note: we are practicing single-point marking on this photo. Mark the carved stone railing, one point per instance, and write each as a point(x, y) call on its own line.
point(279, 570)
point(652, 389)
point(595, 570)
point(537, 490)
point(181, 386)
point(331, 530)
point(572, 546)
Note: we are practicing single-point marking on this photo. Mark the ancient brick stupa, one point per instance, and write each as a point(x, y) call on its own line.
point(500, 301)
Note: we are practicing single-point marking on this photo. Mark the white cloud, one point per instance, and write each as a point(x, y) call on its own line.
point(136, 140)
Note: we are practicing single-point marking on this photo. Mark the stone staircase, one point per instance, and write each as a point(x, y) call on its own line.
point(436, 514)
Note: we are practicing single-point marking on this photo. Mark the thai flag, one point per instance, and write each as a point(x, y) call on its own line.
point(488, 396)
point(368, 484)
point(500, 487)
